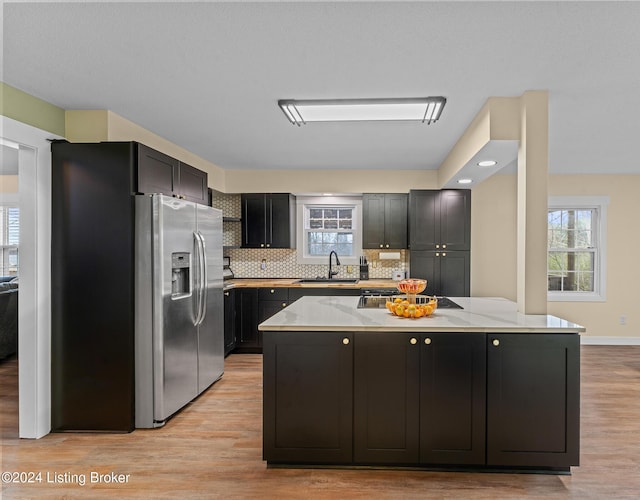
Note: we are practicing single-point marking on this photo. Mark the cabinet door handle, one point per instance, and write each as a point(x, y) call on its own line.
point(268, 245)
point(380, 245)
point(413, 341)
point(273, 291)
point(444, 246)
point(437, 254)
point(496, 342)
point(226, 294)
point(427, 341)
point(284, 304)
point(444, 254)
point(437, 246)
point(345, 341)
point(387, 245)
point(261, 245)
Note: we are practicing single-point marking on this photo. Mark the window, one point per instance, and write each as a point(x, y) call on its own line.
point(326, 224)
point(576, 248)
point(9, 239)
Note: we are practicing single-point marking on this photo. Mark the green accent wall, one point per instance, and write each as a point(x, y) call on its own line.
point(25, 108)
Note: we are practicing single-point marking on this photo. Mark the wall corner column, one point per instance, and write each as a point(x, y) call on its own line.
point(533, 168)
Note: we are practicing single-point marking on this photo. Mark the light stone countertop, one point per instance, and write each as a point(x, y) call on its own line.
point(488, 315)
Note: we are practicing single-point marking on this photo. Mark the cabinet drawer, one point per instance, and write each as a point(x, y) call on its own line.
point(275, 293)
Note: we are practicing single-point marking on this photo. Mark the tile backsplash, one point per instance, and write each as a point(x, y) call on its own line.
point(282, 263)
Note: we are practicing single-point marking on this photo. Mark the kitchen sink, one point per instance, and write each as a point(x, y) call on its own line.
point(327, 280)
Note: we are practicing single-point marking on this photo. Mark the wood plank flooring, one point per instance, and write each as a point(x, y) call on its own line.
point(213, 449)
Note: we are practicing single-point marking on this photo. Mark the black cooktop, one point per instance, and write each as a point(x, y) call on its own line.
point(379, 301)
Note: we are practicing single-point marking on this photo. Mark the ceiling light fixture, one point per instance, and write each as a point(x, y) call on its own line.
point(487, 163)
point(423, 109)
point(465, 181)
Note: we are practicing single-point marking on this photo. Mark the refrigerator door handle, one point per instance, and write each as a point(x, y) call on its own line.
point(201, 302)
point(203, 276)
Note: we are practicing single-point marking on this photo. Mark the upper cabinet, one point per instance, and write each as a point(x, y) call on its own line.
point(268, 220)
point(384, 221)
point(160, 173)
point(440, 220)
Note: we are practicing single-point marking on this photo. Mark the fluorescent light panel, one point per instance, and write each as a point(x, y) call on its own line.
point(424, 109)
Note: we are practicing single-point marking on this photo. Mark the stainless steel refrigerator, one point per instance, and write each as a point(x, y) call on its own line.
point(179, 340)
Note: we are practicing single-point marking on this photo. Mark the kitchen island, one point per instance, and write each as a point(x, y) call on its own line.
point(481, 388)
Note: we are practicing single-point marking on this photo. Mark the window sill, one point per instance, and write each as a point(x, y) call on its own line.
point(575, 297)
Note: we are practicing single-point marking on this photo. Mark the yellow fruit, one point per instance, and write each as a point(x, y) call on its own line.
point(397, 300)
point(399, 311)
point(428, 310)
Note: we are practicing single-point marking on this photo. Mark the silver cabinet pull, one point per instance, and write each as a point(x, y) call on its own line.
point(437, 254)
point(273, 291)
point(496, 342)
point(444, 246)
point(413, 341)
point(437, 246)
point(444, 254)
point(284, 304)
point(345, 341)
point(427, 341)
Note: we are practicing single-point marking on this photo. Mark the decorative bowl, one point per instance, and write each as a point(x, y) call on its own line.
point(412, 286)
point(412, 306)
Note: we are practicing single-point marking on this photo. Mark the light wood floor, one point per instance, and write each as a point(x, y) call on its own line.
point(212, 449)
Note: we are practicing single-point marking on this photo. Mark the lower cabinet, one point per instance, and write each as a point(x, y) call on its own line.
point(533, 399)
point(427, 399)
point(308, 397)
point(452, 398)
point(248, 338)
point(419, 398)
point(386, 408)
point(229, 321)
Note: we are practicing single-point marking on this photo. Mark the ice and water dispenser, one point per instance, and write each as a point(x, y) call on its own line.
point(180, 269)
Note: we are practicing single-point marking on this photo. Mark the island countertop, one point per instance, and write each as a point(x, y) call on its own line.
point(488, 315)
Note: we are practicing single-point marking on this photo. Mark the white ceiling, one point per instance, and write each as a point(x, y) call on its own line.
point(207, 75)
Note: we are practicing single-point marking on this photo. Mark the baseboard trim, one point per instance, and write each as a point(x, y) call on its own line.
point(586, 340)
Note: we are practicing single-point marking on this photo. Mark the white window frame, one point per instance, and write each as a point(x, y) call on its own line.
point(304, 201)
point(8, 200)
point(599, 204)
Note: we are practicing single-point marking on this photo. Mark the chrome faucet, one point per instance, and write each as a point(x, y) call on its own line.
point(333, 273)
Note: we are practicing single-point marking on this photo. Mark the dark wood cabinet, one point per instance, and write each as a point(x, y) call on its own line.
point(271, 301)
point(229, 321)
point(465, 399)
point(268, 220)
point(452, 398)
point(447, 273)
point(384, 221)
point(440, 220)
point(419, 398)
point(533, 399)
point(193, 184)
point(160, 173)
point(248, 338)
point(386, 398)
point(308, 397)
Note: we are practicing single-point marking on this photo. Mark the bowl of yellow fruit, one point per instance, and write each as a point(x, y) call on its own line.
point(412, 306)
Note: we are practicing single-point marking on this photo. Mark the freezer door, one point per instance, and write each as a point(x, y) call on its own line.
point(211, 328)
point(175, 336)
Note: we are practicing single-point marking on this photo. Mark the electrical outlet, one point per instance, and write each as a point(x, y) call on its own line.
point(263, 264)
point(623, 319)
point(349, 269)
